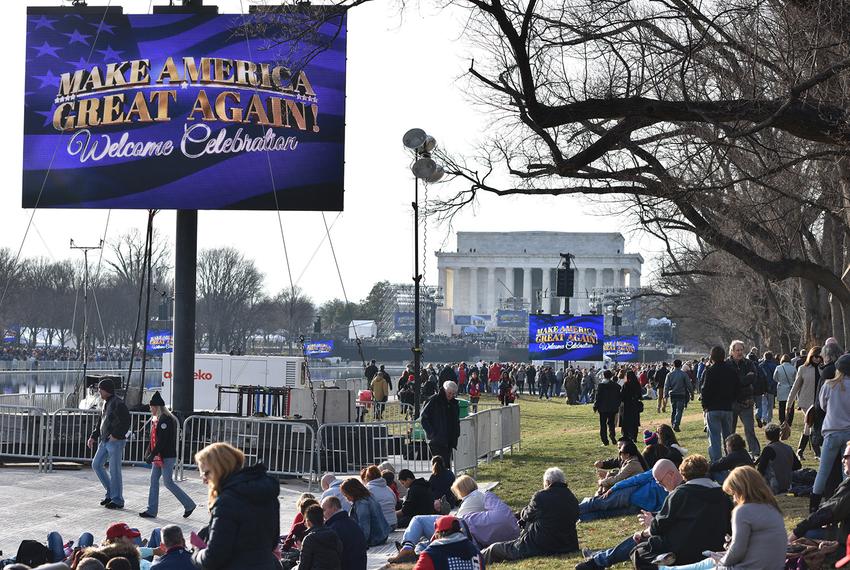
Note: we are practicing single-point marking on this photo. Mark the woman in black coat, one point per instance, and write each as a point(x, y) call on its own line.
point(632, 406)
point(162, 456)
point(244, 526)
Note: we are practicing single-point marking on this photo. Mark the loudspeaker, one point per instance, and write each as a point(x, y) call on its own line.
point(565, 283)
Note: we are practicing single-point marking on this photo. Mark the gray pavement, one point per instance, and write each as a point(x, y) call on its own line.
point(34, 504)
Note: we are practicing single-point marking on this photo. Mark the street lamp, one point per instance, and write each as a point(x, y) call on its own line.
point(426, 169)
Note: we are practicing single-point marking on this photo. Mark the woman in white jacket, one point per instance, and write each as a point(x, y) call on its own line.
point(784, 376)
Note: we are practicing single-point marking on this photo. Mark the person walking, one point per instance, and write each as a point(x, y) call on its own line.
point(742, 408)
point(835, 400)
point(244, 527)
point(441, 422)
point(632, 397)
point(110, 438)
point(162, 456)
point(718, 394)
point(380, 394)
point(803, 396)
point(660, 378)
point(607, 405)
point(677, 388)
point(783, 377)
point(767, 367)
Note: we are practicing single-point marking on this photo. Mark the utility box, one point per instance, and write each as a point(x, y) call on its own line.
point(332, 405)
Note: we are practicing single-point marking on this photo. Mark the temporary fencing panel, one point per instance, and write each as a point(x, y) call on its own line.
point(49, 401)
point(285, 447)
point(347, 448)
point(22, 433)
point(466, 454)
point(70, 429)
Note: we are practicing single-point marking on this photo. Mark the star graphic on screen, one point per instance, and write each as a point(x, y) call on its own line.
point(110, 53)
point(48, 79)
point(104, 27)
point(82, 64)
point(76, 36)
point(48, 117)
point(46, 49)
point(44, 22)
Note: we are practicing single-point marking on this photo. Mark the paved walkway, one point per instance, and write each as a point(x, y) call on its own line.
point(34, 504)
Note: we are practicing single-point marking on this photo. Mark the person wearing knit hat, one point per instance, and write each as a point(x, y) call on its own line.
point(649, 437)
point(110, 438)
point(162, 455)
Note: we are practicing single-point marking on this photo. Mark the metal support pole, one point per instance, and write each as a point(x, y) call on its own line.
point(185, 267)
point(417, 348)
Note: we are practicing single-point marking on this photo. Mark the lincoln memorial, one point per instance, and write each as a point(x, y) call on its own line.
point(503, 270)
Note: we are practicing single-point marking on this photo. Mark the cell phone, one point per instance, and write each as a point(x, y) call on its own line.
point(196, 540)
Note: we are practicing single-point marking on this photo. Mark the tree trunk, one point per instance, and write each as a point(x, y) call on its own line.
point(817, 314)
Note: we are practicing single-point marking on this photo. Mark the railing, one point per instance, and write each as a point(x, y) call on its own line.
point(285, 447)
point(48, 401)
point(22, 433)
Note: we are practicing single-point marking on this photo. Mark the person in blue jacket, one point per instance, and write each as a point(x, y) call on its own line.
point(630, 496)
point(353, 542)
point(366, 512)
point(176, 556)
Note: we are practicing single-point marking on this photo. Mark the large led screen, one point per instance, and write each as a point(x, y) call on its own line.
point(559, 337)
point(621, 348)
point(181, 111)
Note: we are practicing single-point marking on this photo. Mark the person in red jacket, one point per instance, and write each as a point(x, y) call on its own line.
point(494, 374)
point(449, 548)
point(462, 377)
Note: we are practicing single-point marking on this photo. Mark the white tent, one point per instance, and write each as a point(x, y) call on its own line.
point(364, 329)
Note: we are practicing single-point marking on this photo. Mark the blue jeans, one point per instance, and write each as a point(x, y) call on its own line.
point(167, 474)
point(719, 424)
point(833, 444)
point(615, 504)
point(113, 452)
point(616, 555)
point(57, 545)
point(420, 526)
point(766, 407)
point(677, 405)
point(707, 564)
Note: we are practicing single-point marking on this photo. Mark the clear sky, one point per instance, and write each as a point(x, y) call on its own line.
point(404, 70)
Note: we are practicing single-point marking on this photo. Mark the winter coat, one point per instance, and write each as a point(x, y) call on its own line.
point(648, 495)
point(244, 527)
point(607, 397)
point(386, 499)
point(677, 384)
point(335, 491)
point(441, 420)
point(441, 486)
point(177, 558)
point(380, 388)
point(353, 542)
point(768, 368)
point(166, 438)
point(784, 376)
point(367, 514)
point(719, 387)
point(550, 521)
point(419, 500)
point(496, 523)
point(321, 549)
point(806, 386)
point(745, 371)
point(630, 468)
point(114, 420)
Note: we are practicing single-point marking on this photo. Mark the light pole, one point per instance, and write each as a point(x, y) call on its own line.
point(425, 168)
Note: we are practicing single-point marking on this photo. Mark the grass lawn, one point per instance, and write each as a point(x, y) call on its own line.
point(555, 434)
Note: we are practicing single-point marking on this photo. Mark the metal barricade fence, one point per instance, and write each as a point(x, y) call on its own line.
point(22, 433)
point(393, 411)
point(349, 447)
point(285, 447)
point(48, 401)
point(70, 429)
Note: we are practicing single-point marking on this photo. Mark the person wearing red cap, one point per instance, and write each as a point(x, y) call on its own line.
point(449, 548)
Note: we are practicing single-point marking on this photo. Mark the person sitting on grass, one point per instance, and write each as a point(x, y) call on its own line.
point(758, 529)
point(667, 438)
point(667, 476)
point(777, 461)
point(548, 523)
point(632, 464)
point(696, 516)
point(639, 492)
point(422, 526)
point(736, 456)
point(612, 463)
point(832, 520)
point(449, 548)
point(418, 500)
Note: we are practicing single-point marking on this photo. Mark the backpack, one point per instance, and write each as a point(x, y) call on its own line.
point(33, 553)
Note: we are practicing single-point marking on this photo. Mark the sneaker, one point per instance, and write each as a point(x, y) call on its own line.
point(111, 505)
point(586, 552)
point(105, 502)
point(404, 556)
point(677, 428)
point(397, 546)
point(147, 515)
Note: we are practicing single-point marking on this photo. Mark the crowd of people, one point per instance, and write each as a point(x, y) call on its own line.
point(38, 354)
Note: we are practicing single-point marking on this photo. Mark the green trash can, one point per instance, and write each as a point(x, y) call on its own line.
point(463, 408)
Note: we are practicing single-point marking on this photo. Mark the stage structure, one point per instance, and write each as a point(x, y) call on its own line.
point(397, 309)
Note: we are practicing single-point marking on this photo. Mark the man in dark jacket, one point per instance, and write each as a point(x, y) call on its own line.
point(370, 371)
point(607, 405)
point(677, 388)
point(530, 377)
point(348, 531)
point(742, 408)
point(659, 379)
point(110, 438)
point(321, 548)
point(719, 387)
point(176, 556)
point(549, 523)
point(418, 501)
point(441, 422)
point(695, 517)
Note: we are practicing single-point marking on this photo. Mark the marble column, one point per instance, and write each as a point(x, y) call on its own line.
point(441, 283)
point(473, 290)
point(456, 291)
point(599, 272)
point(491, 291)
point(554, 302)
point(526, 286)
